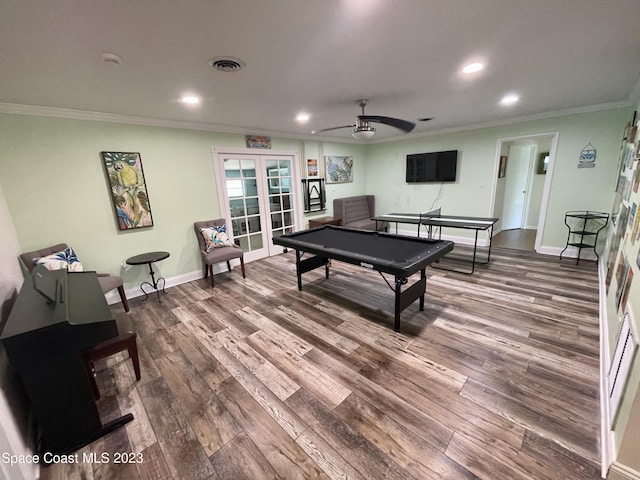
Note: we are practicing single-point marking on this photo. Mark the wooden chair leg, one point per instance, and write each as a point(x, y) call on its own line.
point(132, 348)
point(242, 266)
point(123, 297)
point(228, 265)
point(211, 275)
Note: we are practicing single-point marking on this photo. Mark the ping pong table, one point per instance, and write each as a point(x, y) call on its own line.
point(435, 220)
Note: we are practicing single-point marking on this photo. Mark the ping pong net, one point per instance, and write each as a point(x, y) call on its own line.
point(428, 215)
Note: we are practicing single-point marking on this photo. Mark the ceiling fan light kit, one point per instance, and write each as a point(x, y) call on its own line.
point(363, 133)
point(362, 129)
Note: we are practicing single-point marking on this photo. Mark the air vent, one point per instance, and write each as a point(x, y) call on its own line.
point(226, 64)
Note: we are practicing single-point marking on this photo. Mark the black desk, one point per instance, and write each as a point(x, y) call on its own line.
point(396, 255)
point(447, 221)
point(149, 259)
point(44, 343)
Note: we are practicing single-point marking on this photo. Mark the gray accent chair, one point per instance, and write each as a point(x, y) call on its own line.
point(107, 282)
point(216, 255)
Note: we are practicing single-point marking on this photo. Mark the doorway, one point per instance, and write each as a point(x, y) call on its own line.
point(520, 197)
point(258, 197)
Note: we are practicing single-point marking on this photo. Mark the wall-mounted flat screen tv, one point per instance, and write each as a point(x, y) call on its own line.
point(432, 167)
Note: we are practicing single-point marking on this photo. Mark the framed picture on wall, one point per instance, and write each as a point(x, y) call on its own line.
point(257, 141)
point(128, 189)
point(502, 168)
point(339, 169)
point(543, 163)
point(312, 167)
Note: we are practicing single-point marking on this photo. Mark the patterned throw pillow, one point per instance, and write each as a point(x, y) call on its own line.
point(64, 259)
point(215, 237)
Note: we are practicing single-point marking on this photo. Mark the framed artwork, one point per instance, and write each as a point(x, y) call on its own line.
point(502, 169)
point(312, 167)
point(128, 189)
point(257, 141)
point(543, 163)
point(339, 169)
point(623, 357)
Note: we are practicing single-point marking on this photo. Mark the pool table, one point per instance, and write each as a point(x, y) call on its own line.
point(396, 255)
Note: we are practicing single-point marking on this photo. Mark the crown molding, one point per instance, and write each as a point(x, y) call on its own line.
point(36, 110)
point(514, 120)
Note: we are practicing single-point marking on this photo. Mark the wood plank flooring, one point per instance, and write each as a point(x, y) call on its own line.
point(496, 379)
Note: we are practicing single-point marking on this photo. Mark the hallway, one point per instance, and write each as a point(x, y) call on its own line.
point(517, 239)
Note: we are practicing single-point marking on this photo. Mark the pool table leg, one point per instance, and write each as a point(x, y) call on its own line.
point(423, 278)
point(398, 307)
point(298, 269)
point(410, 295)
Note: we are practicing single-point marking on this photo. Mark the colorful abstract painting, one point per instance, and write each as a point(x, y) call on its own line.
point(257, 141)
point(128, 189)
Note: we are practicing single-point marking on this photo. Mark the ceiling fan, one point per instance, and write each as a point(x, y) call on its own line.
point(363, 130)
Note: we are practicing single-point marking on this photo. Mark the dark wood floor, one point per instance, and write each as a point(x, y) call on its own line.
point(496, 379)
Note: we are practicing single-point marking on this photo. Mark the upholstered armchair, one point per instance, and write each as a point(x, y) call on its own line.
point(215, 246)
point(107, 282)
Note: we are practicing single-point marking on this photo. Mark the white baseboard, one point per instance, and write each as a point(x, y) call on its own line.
point(133, 292)
point(622, 472)
point(482, 242)
point(607, 440)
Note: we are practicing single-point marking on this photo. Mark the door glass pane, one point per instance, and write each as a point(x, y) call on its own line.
point(256, 242)
point(280, 188)
point(237, 207)
point(242, 191)
point(254, 224)
point(252, 206)
point(275, 203)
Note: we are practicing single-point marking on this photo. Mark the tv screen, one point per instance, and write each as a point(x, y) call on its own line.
point(432, 167)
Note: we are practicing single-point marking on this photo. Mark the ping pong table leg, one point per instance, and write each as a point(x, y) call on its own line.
point(475, 248)
point(490, 242)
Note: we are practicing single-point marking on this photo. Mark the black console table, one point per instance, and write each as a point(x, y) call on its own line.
point(149, 259)
point(584, 227)
point(44, 339)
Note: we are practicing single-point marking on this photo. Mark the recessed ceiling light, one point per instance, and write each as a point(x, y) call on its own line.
point(190, 99)
point(473, 67)
point(303, 117)
point(510, 99)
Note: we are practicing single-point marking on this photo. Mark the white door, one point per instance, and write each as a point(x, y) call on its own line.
point(259, 199)
point(517, 180)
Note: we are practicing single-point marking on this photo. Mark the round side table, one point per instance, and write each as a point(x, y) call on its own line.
point(148, 259)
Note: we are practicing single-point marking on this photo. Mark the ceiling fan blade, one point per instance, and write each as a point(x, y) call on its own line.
point(403, 125)
point(313, 132)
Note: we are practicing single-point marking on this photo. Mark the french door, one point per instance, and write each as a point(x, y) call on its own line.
point(259, 197)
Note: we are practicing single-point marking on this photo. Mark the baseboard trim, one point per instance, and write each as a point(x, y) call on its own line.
point(607, 441)
point(134, 292)
point(482, 242)
point(618, 471)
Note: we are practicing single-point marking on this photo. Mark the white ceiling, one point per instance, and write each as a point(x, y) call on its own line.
point(319, 56)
